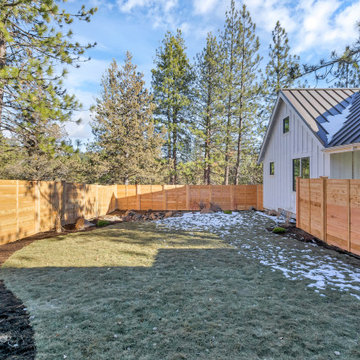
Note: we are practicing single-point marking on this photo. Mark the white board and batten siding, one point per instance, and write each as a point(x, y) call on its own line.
point(282, 148)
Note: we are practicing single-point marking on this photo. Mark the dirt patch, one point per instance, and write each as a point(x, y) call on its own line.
point(16, 333)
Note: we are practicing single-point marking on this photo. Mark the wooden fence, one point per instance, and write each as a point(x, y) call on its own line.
point(189, 197)
point(27, 208)
point(330, 210)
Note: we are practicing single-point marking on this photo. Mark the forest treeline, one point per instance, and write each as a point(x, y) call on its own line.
point(200, 121)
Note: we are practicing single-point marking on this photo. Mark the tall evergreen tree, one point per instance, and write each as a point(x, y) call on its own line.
point(172, 82)
point(240, 47)
point(126, 147)
point(33, 43)
point(248, 47)
point(282, 68)
point(229, 50)
point(209, 108)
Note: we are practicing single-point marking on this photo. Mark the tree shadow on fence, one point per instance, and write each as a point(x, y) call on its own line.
point(30, 207)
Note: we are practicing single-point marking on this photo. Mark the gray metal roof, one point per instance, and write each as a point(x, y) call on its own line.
point(350, 131)
point(332, 114)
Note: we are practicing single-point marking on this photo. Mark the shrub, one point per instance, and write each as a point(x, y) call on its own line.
point(279, 230)
point(227, 212)
point(102, 223)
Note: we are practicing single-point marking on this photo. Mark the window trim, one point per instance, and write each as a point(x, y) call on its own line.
point(300, 159)
point(286, 119)
point(272, 168)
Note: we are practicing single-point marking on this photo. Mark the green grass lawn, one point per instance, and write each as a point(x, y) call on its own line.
point(134, 291)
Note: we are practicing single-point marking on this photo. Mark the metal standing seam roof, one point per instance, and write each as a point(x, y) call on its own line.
point(318, 106)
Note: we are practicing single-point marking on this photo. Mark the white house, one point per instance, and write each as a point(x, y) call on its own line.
point(311, 133)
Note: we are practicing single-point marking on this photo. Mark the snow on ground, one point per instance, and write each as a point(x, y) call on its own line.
point(323, 268)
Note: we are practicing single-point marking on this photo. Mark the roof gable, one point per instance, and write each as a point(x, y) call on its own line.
point(333, 115)
point(324, 110)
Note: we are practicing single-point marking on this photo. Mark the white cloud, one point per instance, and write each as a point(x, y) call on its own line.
point(129, 5)
point(185, 28)
point(160, 12)
point(204, 6)
point(80, 131)
point(89, 72)
point(319, 26)
point(266, 13)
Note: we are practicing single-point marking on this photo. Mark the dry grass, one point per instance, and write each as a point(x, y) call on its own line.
point(132, 291)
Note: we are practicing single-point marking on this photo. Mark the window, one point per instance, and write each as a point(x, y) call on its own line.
point(272, 168)
point(301, 167)
point(286, 125)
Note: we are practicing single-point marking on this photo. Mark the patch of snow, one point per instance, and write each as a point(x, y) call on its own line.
point(246, 231)
point(335, 122)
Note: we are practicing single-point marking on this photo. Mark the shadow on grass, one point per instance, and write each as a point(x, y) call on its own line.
point(190, 304)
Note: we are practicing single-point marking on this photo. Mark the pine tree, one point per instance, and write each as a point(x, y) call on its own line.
point(33, 44)
point(347, 70)
point(126, 147)
point(209, 108)
point(248, 48)
point(230, 64)
point(282, 68)
point(240, 47)
point(172, 81)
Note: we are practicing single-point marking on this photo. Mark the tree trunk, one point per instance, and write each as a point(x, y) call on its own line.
point(207, 166)
point(174, 152)
point(2, 64)
point(238, 155)
point(227, 145)
point(169, 151)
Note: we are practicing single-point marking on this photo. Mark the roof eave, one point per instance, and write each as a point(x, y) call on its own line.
point(342, 148)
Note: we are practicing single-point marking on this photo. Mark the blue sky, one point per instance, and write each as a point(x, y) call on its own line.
point(315, 28)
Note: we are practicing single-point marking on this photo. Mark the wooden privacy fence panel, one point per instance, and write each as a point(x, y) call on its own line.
point(330, 210)
point(189, 197)
point(29, 207)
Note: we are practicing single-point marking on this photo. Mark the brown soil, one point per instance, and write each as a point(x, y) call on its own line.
point(16, 333)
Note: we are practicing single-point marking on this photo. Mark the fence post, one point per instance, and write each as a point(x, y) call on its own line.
point(37, 206)
point(97, 200)
point(126, 197)
point(232, 207)
point(17, 210)
point(298, 207)
point(187, 205)
point(164, 198)
point(63, 203)
point(349, 214)
point(210, 195)
point(138, 196)
point(324, 207)
point(83, 200)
